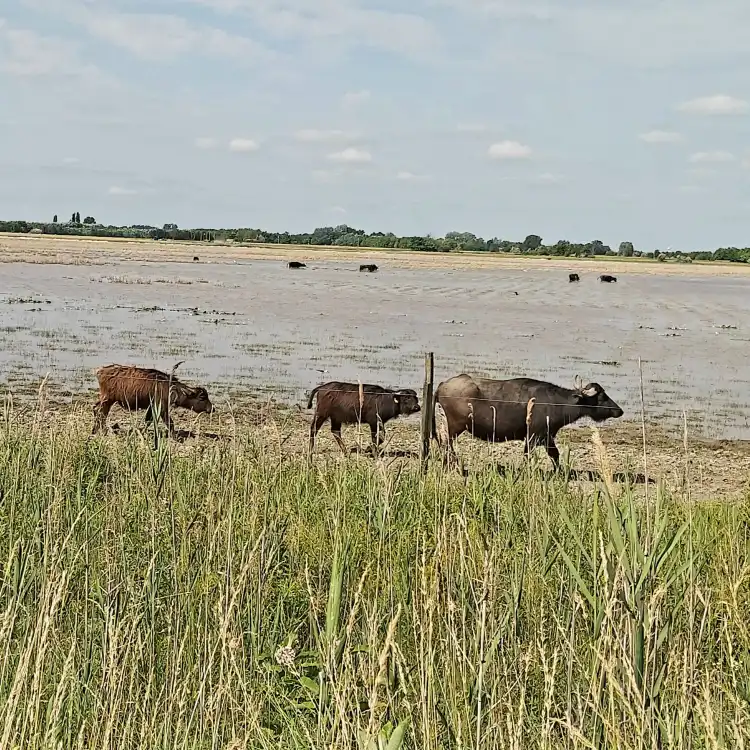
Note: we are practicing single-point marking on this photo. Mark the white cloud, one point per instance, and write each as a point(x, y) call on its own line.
point(337, 25)
point(311, 135)
point(26, 54)
point(471, 127)
point(661, 136)
point(711, 157)
point(161, 37)
point(549, 178)
point(205, 142)
point(118, 190)
point(509, 150)
point(719, 104)
point(701, 172)
point(406, 176)
point(352, 98)
point(352, 155)
point(502, 9)
point(243, 145)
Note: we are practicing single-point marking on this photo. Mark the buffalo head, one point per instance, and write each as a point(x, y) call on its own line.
point(195, 399)
point(597, 404)
point(407, 401)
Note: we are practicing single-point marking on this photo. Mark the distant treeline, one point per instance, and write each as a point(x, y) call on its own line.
point(344, 235)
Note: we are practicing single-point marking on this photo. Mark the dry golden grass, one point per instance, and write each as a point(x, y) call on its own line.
point(85, 250)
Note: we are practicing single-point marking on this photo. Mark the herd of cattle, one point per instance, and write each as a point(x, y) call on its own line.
point(604, 277)
point(491, 410)
point(369, 267)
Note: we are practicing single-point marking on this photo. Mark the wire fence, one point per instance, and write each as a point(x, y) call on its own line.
point(383, 391)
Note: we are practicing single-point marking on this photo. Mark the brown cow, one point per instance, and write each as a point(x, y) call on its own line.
point(340, 402)
point(141, 388)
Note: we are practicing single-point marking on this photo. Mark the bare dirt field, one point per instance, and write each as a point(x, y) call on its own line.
point(247, 326)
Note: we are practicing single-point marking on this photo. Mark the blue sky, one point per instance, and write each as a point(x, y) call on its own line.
point(574, 120)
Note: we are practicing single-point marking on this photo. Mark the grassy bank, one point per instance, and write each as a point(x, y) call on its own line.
point(216, 595)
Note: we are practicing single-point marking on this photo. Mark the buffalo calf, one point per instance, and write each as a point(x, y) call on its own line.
point(370, 267)
point(341, 403)
point(573, 277)
point(295, 264)
point(606, 277)
point(141, 388)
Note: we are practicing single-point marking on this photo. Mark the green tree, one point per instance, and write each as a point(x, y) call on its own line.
point(626, 249)
point(532, 242)
point(54, 219)
point(89, 220)
point(78, 217)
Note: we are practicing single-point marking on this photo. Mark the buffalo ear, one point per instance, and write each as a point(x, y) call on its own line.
point(578, 397)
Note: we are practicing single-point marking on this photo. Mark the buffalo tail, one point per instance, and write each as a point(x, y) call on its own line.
point(313, 392)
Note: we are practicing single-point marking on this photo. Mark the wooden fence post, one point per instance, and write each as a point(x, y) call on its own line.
point(427, 407)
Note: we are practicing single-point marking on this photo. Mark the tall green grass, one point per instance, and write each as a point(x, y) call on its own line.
point(223, 595)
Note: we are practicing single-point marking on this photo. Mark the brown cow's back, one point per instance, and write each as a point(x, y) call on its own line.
point(145, 388)
point(134, 387)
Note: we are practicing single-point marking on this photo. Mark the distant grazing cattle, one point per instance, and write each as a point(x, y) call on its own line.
point(195, 257)
point(573, 277)
point(497, 410)
point(141, 388)
point(606, 277)
point(296, 264)
point(340, 402)
point(370, 267)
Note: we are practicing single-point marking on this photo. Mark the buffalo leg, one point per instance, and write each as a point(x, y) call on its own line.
point(336, 432)
point(167, 419)
point(549, 446)
point(101, 412)
point(553, 452)
point(378, 435)
point(450, 458)
point(315, 426)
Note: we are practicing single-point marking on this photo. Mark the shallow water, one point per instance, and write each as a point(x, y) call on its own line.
point(258, 326)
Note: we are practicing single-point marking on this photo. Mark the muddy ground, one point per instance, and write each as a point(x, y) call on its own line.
point(702, 470)
point(248, 327)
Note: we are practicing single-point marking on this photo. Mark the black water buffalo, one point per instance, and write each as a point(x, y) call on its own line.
point(497, 410)
point(573, 277)
point(295, 264)
point(195, 257)
point(606, 277)
point(340, 402)
point(370, 267)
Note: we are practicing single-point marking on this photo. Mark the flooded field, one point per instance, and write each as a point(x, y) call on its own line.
point(259, 328)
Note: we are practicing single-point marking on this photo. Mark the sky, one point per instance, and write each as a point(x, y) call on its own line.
point(571, 119)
